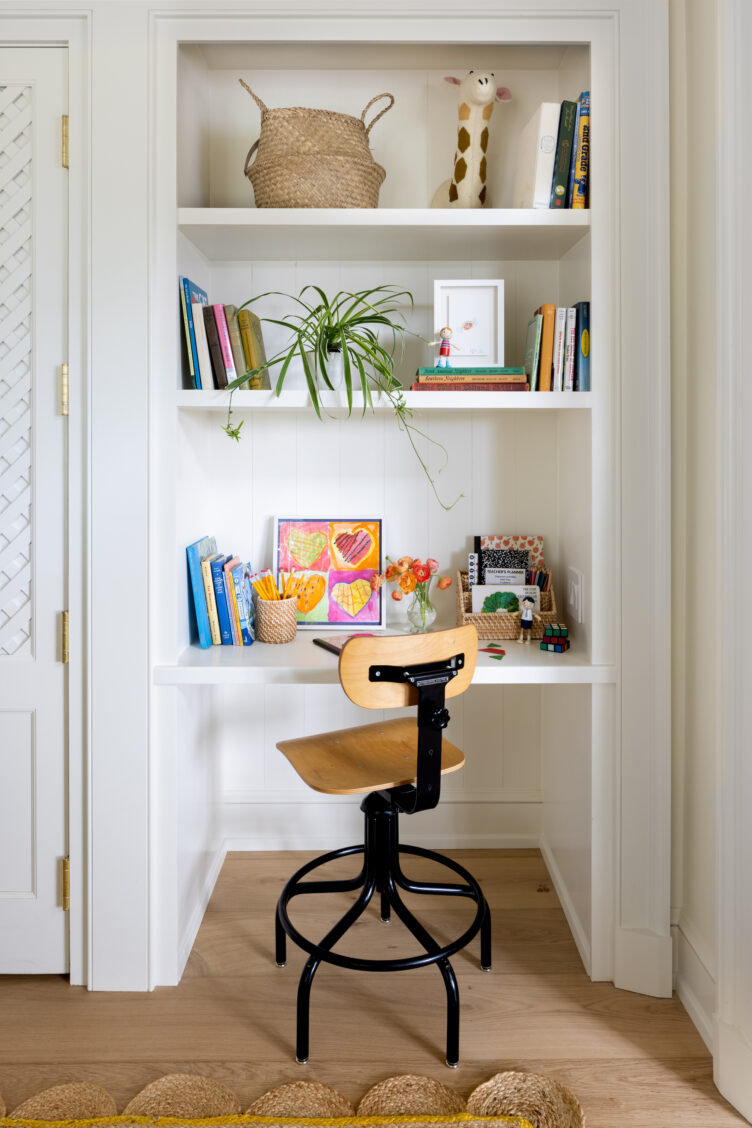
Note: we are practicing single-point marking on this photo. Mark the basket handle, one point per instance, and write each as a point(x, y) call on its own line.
point(378, 115)
point(255, 97)
point(251, 152)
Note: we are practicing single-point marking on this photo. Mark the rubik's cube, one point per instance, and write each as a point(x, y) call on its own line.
point(555, 638)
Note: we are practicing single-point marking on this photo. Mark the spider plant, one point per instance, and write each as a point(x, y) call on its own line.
point(349, 325)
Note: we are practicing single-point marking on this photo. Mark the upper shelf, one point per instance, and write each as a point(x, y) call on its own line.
point(390, 234)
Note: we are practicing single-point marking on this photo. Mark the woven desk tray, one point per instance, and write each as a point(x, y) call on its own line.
point(502, 624)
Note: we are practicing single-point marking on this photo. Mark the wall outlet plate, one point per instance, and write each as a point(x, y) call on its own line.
point(575, 583)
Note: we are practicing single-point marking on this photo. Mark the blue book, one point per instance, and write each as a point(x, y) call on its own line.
point(240, 573)
point(218, 576)
point(192, 293)
point(582, 349)
point(195, 553)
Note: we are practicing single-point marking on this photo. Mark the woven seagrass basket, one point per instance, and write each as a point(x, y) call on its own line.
point(503, 624)
point(308, 158)
point(276, 619)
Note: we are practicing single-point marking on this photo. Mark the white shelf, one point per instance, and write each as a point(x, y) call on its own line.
point(401, 234)
point(302, 663)
point(335, 402)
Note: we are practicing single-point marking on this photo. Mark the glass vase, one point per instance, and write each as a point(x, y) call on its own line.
point(421, 613)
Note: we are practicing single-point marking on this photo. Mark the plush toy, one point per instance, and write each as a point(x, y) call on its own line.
point(475, 97)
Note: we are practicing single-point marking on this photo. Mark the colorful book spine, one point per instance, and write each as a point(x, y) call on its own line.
point(457, 371)
point(224, 342)
point(202, 347)
point(211, 600)
point(194, 295)
point(232, 606)
point(215, 351)
point(218, 577)
point(573, 161)
point(560, 333)
point(582, 348)
point(238, 572)
point(563, 160)
point(582, 158)
point(195, 553)
point(532, 350)
point(465, 380)
point(548, 313)
point(187, 333)
point(236, 341)
point(569, 349)
point(490, 387)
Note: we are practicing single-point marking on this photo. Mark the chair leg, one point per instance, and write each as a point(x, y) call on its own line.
point(485, 940)
point(304, 987)
point(447, 974)
point(280, 941)
point(386, 911)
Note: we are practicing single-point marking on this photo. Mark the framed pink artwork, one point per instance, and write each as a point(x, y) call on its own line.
point(337, 557)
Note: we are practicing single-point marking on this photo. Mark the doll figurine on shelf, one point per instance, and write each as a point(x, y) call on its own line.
point(445, 346)
point(527, 604)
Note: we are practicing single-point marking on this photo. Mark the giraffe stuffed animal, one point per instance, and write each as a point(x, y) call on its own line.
point(475, 103)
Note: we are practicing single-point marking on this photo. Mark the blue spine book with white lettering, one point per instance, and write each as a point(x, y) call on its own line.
point(218, 576)
point(193, 293)
point(195, 553)
point(582, 352)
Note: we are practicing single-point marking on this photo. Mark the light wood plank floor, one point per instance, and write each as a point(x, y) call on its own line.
point(633, 1061)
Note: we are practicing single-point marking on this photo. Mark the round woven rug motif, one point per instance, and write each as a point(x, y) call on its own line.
point(76, 1100)
point(302, 1099)
point(543, 1101)
point(408, 1095)
point(184, 1095)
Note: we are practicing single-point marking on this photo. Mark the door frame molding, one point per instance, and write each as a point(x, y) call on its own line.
point(73, 32)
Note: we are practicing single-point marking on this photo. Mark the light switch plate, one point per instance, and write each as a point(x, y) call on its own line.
point(575, 582)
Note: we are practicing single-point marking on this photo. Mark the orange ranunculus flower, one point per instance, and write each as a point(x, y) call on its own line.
point(404, 563)
point(376, 581)
point(407, 582)
point(391, 573)
point(421, 572)
point(444, 583)
point(396, 595)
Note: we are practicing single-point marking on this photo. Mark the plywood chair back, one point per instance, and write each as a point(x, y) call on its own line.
point(360, 654)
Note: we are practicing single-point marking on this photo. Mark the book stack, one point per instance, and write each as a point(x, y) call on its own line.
point(555, 638)
point(557, 348)
point(554, 156)
point(222, 342)
point(486, 379)
point(222, 595)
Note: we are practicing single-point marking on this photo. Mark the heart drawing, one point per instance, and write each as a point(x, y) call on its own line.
point(305, 547)
point(353, 597)
point(354, 547)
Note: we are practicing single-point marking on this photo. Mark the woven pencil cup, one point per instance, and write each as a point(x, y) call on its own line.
point(503, 624)
point(314, 158)
point(276, 619)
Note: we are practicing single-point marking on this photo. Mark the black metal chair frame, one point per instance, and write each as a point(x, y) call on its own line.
point(381, 871)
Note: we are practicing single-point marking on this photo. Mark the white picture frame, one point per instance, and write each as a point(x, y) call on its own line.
point(473, 308)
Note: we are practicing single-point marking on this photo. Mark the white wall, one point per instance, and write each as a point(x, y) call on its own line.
point(695, 517)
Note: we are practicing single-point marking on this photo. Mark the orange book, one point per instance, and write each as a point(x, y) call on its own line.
point(546, 347)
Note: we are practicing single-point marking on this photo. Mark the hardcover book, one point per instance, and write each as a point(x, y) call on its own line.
point(215, 351)
point(560, 336)
point(223, 334)
point(232, 603)
point(563, 161)
point(495, 386)
point(467, 376)
point(194, 553)
point(570, 343)
point(202, 347)
point(582, 154)
point(218, 577)
point(536, 156)
point(582, 348)
point(211, 599)
point(532, 350)
point(548, 313)
point(236, 342)
point(190, 293)
point(253, 347)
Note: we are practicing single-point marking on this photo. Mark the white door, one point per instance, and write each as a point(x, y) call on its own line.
point(33, 456)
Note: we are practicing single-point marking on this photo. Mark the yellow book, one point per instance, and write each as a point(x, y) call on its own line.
point(253, 347)
point(211, 600)
point(580, 189)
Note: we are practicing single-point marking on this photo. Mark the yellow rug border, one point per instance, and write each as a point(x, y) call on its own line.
point(220, 1121)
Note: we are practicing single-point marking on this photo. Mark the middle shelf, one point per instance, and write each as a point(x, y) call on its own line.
point(335, 402)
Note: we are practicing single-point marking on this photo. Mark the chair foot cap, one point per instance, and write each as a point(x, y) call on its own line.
point(301, 1061)
point(482, 968)
point(452, 1064)
point(282, 964)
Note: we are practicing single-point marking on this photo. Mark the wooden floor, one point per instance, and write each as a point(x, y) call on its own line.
point(632, 1060)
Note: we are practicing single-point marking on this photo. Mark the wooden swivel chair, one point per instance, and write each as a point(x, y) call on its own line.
point(398, 766)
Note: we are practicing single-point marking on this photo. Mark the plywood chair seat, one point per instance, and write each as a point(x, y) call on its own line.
point(355, 761)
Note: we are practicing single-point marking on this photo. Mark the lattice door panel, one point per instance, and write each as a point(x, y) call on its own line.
point(15, 370)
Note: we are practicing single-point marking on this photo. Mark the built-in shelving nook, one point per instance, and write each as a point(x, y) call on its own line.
point(546, 736)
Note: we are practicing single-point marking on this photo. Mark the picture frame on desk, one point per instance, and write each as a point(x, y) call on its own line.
point(337, 557)
point(473, 308)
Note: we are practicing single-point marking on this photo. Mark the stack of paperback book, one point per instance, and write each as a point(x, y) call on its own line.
point(222, 595)
point(222, 342)
point(485, 379)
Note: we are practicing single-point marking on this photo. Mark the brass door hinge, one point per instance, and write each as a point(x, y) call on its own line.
point(65, 141)
point(65, 653)
point(63, 389)
point(66, 884)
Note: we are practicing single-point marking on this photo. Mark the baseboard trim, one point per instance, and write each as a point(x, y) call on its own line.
point(579, 934)
point(695, 983)
point(190, 932)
